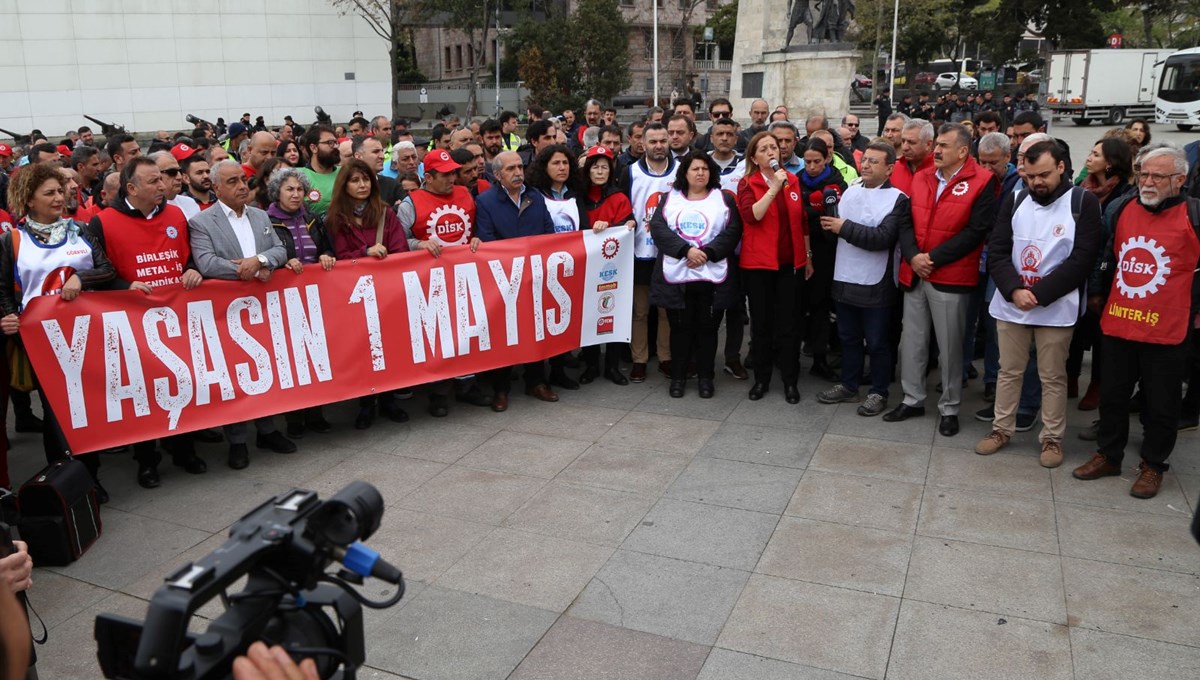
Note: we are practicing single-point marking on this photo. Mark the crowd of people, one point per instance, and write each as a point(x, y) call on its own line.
point(952, 235)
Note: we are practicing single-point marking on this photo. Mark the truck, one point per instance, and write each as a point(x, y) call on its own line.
point(1110, 85)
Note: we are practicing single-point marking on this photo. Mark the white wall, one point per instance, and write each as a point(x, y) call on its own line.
point(147, 63)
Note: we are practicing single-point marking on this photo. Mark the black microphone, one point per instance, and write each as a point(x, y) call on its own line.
point(830, 200)
point(775, 167)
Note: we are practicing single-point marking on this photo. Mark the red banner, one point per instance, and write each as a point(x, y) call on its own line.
point(122, 367)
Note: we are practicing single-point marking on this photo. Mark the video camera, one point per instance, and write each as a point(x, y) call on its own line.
point(107, 129)
point(283, 548)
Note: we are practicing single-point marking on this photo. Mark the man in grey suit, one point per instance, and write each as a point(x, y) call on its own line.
point(233, 240)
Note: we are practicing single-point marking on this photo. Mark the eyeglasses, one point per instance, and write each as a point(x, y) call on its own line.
point(867, 160)
point(1156, 177)
point(331, 143)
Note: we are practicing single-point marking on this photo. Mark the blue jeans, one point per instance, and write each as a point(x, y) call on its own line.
point(870, 324)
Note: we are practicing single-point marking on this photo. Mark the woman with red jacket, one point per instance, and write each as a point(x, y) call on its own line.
point(355, 214)
point(602, 204)
point(775, 263)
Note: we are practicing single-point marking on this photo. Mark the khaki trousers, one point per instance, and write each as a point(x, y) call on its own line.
point(1053, 344)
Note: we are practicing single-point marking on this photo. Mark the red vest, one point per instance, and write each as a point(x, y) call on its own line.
point(937, 220)
point(902, 177)
point(448, 219)
point(154, 251)
point(1151, 294)
point(760, 238)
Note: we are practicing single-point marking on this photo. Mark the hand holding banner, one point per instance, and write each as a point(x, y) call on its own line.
point(122, 367)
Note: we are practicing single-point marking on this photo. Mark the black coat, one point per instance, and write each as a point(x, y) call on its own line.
point(670, 295)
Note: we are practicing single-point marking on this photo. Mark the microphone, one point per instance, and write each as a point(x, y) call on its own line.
point(775, 167)
point(830, 201)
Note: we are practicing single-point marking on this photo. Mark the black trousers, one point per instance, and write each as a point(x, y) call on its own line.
point(1087, 336)
point(180, 447)
point(1158, 368)
point(1191, 402)
point(818, 297)
point(535, 374)
point(775, 312)
point(735, 327)
point(54, 441)
point(694, 332)
point(612, 355)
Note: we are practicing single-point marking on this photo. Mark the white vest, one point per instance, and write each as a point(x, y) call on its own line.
point(564, 214)
point(45, 269)
point(867, 207)
point(644, 189)
point(1043, 237)
point(698, 222)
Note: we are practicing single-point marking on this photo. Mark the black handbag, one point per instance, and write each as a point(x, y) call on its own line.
point(60, 513)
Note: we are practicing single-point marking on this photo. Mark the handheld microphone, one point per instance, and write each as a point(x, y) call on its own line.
point(775, 167)
point(830, 201)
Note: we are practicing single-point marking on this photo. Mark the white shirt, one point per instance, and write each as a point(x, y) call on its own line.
point(943, 182)
point(187, 204)
point(241, 229)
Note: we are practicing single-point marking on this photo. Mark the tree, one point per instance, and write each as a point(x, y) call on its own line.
point(390, 20)
point(476, 19)
point(927, 27)
point(603, 62)
point(724, 25)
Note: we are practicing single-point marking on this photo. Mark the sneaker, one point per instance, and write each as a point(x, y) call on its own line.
point(992, 443)
point(735, 368)
point(1052, 453)
point(986, 414)
point(404, 393)
point(1091, 433)
point(873, 405)
point(838, 394)
point(1025, 422)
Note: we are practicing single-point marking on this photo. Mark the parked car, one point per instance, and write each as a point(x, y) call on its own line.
point(1034, 77)
point(946, 81)
point(925, 79)
point(860, 81)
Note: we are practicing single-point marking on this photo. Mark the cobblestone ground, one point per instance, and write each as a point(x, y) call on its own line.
point(623, 534)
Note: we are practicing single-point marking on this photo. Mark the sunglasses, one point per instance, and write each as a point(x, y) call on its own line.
point(171, 172)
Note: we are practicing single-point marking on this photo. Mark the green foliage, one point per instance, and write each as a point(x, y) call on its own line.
point(724, 25)
point(560, 72)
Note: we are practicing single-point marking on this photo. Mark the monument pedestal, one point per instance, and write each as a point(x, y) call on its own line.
point(807, 78)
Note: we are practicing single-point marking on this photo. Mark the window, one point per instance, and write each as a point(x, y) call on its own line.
point(471, 55)
point(447, 64)
point(713, 5)
point(684, 4)
point(648, 41)
point(627, 3)
point(649, 85)
point(458, 62)
point(678, 43)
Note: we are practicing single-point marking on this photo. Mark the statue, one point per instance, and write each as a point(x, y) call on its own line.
point(831, 27)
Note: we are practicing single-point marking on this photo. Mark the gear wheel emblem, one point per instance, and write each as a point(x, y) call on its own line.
point(450, 225)
point(1155, 273)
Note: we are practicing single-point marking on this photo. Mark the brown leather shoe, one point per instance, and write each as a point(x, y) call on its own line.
point(541, 392)
point(1148, 482)
point(1052, 453)
point(500, 402)
point(1097, 467)
point(992, 443)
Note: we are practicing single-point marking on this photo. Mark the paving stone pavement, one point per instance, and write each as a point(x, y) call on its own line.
point(623, 534)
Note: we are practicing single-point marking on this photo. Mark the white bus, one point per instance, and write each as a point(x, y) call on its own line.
point(1178, 101)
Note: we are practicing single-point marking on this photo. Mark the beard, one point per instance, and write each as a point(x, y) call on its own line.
point(329, 158)
point(1149, 198)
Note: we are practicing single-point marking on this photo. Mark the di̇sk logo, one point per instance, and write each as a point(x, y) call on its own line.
point(1031, 257)
point(692, 225)
point(610, 248)
point(314, 196)
point(1142, 266)
point(449, 225)
point(961, 189)
point(172, 232)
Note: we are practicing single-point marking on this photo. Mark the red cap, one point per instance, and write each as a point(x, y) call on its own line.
point(5, 150)
point(64, 150)
point(599, 150)
point(440, 161)
point(181, 152)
